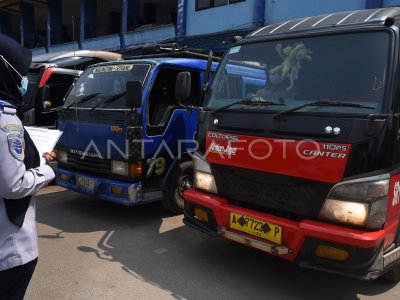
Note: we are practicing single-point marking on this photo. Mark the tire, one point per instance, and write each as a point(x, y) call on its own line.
point(393, 275)
point(180, 180)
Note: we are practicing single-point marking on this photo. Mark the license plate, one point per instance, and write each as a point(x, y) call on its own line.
point(86, 184)
point(252, 226)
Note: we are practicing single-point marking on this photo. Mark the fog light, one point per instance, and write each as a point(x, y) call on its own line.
point(64, 177)
point(200, 214)
point(332, 253)
point(116, 190)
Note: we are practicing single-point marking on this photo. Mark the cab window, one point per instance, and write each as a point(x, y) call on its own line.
point(162, 100)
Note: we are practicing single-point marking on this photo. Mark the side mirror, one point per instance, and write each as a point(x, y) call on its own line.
point(183, 86)
point(133, 94)
point(46, 97)
point(46, 93)
point(46, 105)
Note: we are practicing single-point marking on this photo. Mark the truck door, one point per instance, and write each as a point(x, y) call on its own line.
point(169, 127)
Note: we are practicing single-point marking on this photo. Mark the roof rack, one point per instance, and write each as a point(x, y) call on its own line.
point(170, 50)
point(365, 17)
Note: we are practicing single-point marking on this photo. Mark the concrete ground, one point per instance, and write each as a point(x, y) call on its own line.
point(91, 249)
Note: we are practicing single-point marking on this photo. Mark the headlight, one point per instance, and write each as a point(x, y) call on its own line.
point(205, 182)
point(345, 212)
point(203, 178)
point(120, 167)
point(360, 202)
point(62, 156)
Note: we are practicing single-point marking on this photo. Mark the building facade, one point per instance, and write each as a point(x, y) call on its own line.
point(54, 25)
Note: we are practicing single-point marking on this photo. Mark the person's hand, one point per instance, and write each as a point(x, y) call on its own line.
point(49, 156)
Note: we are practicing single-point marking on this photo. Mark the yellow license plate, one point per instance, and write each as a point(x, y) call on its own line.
point(265, 230)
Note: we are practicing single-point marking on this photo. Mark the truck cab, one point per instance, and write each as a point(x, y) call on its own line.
point(131, 154)
point(49, 78)
point(301, 159)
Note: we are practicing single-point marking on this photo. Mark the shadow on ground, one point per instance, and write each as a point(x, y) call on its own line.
point(185, 262)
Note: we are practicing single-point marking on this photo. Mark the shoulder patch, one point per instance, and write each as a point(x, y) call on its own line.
point(13, 127)
point(15, 138)
point(16, 145)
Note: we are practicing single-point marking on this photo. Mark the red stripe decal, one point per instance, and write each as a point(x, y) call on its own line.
point(306, 159)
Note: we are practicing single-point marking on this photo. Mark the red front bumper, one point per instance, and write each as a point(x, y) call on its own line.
point(293, 233)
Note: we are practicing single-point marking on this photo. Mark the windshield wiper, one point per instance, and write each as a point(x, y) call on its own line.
point(249, 102)
point(81, 100)
point(320, 103)
point(108, 101)
point(113, 99)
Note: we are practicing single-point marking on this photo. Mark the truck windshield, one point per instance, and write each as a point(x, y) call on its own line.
point(105, 82)
point(348, 67)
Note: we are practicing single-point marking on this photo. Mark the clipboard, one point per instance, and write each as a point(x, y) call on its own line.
point(44, 139)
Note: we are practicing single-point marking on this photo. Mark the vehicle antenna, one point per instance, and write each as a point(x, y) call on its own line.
point(207, 74)
point(73, 48)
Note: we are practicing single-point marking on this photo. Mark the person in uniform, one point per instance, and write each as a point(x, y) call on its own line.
point(21, 175)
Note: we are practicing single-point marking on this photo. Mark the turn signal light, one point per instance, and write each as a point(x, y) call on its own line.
point(64, 177)
point(135, 169)
point(201, 214)
point(116, 190)
point(332, 253)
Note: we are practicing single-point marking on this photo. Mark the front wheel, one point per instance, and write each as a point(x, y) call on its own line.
point(180, 180)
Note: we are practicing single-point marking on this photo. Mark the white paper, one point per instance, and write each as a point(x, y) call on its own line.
point(44, 139)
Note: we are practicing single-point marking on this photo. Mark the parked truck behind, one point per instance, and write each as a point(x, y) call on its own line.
point(49, 78)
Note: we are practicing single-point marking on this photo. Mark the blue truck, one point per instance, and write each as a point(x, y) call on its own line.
point(126, 136)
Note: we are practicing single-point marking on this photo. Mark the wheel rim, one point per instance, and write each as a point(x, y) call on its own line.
point(185, 182)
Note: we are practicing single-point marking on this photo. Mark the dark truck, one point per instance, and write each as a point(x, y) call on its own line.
point(307, 167)
point(50, 76)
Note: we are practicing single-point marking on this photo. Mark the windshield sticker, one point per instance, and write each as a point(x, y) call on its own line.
point(116, 68)
point(289, 69)
point(234, 50)
point(378, 82)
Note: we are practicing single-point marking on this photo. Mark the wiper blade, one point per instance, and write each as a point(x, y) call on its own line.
point(113, 99)
point(248, 102)
point(82, 100)
point(108, 101)
point(320, 103)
